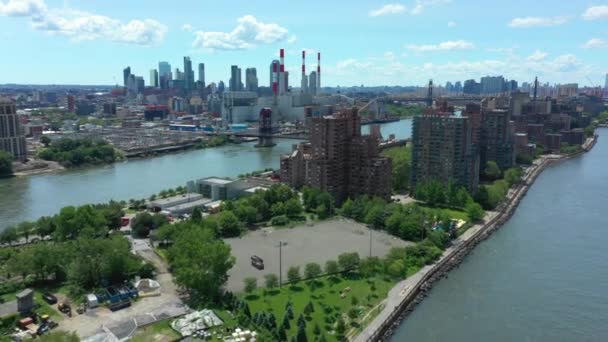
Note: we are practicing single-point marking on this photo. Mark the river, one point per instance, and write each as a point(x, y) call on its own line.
point(28, 198)
point(541, 277)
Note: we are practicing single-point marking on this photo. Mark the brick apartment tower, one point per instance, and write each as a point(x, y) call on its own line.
point(443, 150)
point(339, 159)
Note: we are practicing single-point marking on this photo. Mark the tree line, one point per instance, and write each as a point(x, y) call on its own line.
point(78, 152)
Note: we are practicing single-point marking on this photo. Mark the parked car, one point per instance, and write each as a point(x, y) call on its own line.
point(49, 298)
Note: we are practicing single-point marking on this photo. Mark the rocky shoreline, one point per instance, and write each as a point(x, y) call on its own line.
point(453, 260)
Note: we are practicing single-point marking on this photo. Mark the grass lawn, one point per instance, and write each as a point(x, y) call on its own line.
point(158, 332)
point(452, 213)
point(329, 305)
point(43, 309)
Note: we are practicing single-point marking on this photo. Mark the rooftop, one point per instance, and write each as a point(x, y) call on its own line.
point(217, 180)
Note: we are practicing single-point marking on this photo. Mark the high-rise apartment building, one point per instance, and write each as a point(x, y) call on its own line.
point(497, 142)
point(339, 159)
point(126, 72)
point(251, 80)
point(188, 74)
point(154, 78)
point(201, 74)
point(606, 86)
point(443, 150)
point(12, 138)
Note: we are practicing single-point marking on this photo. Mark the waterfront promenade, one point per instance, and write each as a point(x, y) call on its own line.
point(407, 293)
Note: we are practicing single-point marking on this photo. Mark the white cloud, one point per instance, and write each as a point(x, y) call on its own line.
point(187, 28)
point(451, 24)
point(387, 9)
point(22, 8)
point(595, 43)
point(389, 55)
point(537, 56)
point(526, 22)
point(246, 35)
point(596, 12)
point(292, 39)
point(80, 25)
point(443, 46)
point(83, 26)
point(422, 4)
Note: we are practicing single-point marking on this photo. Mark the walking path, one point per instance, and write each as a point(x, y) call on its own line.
point(409, 287)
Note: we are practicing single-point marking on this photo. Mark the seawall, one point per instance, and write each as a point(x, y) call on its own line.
point(454, 255)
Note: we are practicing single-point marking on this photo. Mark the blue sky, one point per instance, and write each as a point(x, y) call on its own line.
point(362, 42)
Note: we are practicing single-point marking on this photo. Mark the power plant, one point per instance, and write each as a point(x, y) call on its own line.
point(284, 104)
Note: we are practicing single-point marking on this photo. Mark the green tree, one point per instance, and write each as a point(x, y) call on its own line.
point(513, 176)
point(197, 214)
point(271, 280)
point(293, 208)
point(491, 170)
point(401, 159)
point(246, 213)
point(312, 270)
point(45, 140)
point(6, 164)
point(229, 225)
point(474, 211)
point(200, 263)
point(293, 274)
point(251, 284)
point(348, 261)
point(301, 334)
point(331, 267)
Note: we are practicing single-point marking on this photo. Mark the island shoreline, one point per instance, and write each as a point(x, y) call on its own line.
point(456, 254)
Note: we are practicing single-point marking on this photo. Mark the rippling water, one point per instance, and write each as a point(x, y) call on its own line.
point(542, 277)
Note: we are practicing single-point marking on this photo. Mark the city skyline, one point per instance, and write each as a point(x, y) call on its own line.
point(405, 43)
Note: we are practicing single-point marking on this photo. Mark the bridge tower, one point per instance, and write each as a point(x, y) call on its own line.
point(265, 130)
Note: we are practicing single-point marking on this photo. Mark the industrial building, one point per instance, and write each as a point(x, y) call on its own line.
point(12, 137)
point(220, 189)
point(240, 106)
point(339, 159)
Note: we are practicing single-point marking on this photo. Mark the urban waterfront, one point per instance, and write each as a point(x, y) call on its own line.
point(541, 277)
point(27, 198)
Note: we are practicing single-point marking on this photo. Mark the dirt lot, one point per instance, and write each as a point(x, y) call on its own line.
point(319, 243)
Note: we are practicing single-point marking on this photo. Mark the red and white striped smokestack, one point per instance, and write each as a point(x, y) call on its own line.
point(282, 86)
point(318, 71)
point(303, 62)
point(282, 61)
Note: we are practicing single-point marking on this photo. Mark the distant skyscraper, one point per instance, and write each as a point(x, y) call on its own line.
point(251, 79)
point(458, 87)
point(12, 139)
point(154, 78)
point(492, 84)
point(188, 74)
point(164, 74)
point(606, 87)
point(221, 86)
point(235, 78)
point(140, 84)
point(201, 73)
point(125, 75)
point(312, 83)
point(178, 75)
point(471, 87)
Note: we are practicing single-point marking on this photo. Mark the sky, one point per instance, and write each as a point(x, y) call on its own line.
point(361, 42)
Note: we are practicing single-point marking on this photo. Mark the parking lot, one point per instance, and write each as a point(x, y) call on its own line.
point(301, 245)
